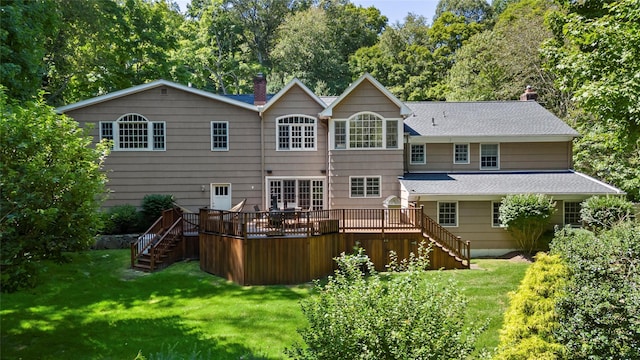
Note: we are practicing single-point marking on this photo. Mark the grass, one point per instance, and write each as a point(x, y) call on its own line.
point(97, 308)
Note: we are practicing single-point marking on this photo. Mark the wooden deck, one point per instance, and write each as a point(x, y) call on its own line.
point(295, 247)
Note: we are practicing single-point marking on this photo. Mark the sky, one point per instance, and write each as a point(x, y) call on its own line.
point(395, 10)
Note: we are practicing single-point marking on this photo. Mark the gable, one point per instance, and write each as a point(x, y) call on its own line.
point(295, 100)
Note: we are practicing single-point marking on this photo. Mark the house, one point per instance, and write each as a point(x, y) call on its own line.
point(296, 149)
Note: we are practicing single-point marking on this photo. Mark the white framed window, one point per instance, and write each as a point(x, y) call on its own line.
point(489, 156)
point(219, 136)
point(448, 214)
point(297, 132)
point(134, 132)
point(364, 186)
point(418, 154)
point(495, 214)
point(460, 153)
point(303, 193)
point(572, 213)
point(366, 130)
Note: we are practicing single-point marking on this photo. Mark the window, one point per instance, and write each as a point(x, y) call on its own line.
point(418, 154)
point(365, 187)
point(366, 131)
point(572, 213)
point(296, 133)
point(219, 136)
point(489, 156)
point(448, 213)
point(133, 132)
point(302, 193)
point(460, 153)
point(495, 214)
point(392, 134)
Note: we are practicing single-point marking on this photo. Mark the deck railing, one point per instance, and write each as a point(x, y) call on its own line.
point(459, 248)
point(161, 248)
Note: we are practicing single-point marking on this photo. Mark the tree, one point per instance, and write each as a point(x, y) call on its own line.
point(472, 10)
point(401, 315)
point(51, 188)
point(595, 59)
point(26, 26)
point(526, 217)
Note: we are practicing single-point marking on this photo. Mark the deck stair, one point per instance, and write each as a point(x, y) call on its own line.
point(162, 244)
point(443, 241)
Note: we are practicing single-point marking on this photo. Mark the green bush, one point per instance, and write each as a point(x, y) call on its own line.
point(531, 319)
point(526, 217)
point(121, 219)
point(392, 316)
point(153, 205)
point(602, 212)
point(599, 314)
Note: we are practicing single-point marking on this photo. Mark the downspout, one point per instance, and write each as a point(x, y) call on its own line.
point(328, 164)
point(262, 171)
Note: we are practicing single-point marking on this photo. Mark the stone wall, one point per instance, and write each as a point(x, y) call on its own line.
point(114, 241)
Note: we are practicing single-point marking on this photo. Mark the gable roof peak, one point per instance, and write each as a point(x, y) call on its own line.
point(294, 82)
point(404, 109)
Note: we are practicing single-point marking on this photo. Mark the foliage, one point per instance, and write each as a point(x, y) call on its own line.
point(396, 316)
point(594, 56)
point(121, 219)
point(531, 320)
point(51, 189)
point(526, 217)
point(471, 10)
point(603, 212)
point(154, 204)
point(599, 315)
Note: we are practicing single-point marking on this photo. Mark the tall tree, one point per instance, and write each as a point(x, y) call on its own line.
point(595, 60)
point(471, 10)
point(26, 28)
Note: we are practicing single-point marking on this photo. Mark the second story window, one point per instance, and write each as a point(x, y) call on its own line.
point(366, 131)
point(296, 133)
point(133, 132)
point(460, 153)
point(219, 136)
point(418, 154)
point(489, 156)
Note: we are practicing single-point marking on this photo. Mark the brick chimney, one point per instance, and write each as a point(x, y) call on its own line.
point(259, 90)
point(529, 94)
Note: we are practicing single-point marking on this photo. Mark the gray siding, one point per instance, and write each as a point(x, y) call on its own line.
point(188, 163)
point(366, 97)
point(513, 156)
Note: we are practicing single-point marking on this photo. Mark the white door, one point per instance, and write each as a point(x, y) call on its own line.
point(220, 196)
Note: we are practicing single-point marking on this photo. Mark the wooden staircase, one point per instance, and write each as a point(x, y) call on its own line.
point(448, 250)
point(161, 245)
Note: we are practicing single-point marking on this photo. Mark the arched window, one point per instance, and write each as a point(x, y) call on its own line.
point(133, 132)
point(366, 130)
point(296, 132)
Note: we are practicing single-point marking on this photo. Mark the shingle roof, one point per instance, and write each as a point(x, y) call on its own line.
point(487, 118)
point(504, 183)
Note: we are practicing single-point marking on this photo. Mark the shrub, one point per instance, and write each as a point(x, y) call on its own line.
point(531, 319)
point(526, 217)
point(392, 316)
point(602, 212)
point(599, 314)
point(121, 219)
point(153, 205)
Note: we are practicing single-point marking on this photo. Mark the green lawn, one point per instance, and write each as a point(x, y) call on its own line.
point(96, 308)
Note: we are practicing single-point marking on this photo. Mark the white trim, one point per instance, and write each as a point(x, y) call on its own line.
point(599, 182)
point(457, 224)
point(500, 226)
point(286, 89)
point(149, 86)
point(404, 109)
point(365, 177)
point(424, 154)
point(489, 139)
point(315, 132)
point(212, 194)
point(480, 157)
point(468, 154)
point(325, 187)
point(211, 135)
point(347, 121)
point(115, 128)
point(564, 211)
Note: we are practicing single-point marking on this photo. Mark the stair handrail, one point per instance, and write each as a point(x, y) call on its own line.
point(144, 241)
point(451, 242)
point(160, 247)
